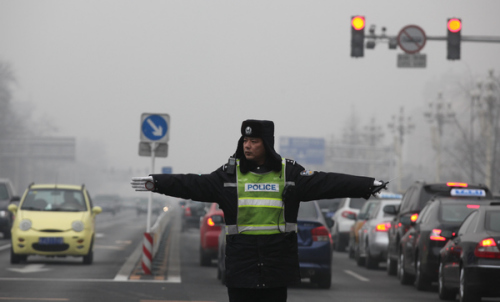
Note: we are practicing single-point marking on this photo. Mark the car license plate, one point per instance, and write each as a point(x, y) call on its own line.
point(50, 240)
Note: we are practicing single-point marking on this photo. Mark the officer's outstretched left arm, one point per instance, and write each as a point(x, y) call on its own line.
point(145, 183)
point(377, 186)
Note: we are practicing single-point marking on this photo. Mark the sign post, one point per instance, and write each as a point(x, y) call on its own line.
point(154, 134)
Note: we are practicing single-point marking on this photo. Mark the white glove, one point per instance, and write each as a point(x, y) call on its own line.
point(378, 186)
point(143, 183)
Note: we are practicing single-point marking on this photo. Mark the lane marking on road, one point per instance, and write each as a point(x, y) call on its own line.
point(4, 247)
point(84, 280)
point(33, 299)
point(359, 277)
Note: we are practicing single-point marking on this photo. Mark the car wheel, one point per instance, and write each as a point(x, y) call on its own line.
point(444, 292)
point(404, 278)
point(14, 258)
point(370, 261)
point(339, 245)
point(421, 283)
point(205, 259)
point(465, 293)
point(351, 252)
point(360, 261)
point(89, 258)
point(323, 280)
point(392, 266)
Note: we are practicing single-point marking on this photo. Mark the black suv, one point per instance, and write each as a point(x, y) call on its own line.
point(7, 196)
point(414, 199)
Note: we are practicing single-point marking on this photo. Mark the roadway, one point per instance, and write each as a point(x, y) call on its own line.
point(115, 275)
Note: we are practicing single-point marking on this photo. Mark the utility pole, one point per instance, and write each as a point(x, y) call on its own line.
point(489, 114)
point(439, 114)
point(372, 134)
point(400, 127)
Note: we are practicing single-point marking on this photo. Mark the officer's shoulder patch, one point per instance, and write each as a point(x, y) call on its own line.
point(306, 173)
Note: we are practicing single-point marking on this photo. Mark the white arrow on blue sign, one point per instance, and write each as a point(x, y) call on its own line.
point(154, 127)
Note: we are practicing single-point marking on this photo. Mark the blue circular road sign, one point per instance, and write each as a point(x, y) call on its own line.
point(154, 127)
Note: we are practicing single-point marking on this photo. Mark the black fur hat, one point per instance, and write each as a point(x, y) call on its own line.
point(264, 130)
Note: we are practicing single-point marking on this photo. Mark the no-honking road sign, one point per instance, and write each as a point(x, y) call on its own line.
point(411, 38)
point(154, 127)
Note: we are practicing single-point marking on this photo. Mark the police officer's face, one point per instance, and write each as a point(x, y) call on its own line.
point(254, 149)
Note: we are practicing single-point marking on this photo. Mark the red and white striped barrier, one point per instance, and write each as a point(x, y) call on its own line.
point(147, 253)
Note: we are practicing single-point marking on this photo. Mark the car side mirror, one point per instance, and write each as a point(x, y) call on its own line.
point(12, 208)
point(218, 220)
point(96, 210)
point(390, 209)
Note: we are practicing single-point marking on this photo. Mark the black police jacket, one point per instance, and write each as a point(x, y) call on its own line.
point(262, 261)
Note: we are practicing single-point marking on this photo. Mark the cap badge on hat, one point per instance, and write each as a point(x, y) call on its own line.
point(248, 130)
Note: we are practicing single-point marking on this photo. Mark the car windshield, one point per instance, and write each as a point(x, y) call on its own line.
point(307, 210)
point(357, 203)
point(492, 221)
point(3, 192)
point(455, 212)
point(329, 204)
point(54, 200)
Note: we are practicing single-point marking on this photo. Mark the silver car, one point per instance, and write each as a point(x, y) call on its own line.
point(373, 236)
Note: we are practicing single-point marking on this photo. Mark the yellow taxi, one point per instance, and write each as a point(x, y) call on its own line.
point(53, 220)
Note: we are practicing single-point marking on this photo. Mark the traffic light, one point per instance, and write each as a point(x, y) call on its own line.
point(357, 36)
point(453, 39)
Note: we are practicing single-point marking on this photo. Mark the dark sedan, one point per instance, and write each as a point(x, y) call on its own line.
point(420, 246)
point(470, 261)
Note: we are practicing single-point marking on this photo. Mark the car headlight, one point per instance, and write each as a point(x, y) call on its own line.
point(25, 224)
point(3, 213)
point(77, 226)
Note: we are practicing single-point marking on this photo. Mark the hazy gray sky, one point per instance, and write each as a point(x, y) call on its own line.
point(96, 66)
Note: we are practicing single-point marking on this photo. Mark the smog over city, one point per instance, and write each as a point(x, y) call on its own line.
point(77, 77)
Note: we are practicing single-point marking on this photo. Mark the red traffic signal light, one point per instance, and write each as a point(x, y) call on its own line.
point(357, 36)
point(358, 22)
point(454, 25)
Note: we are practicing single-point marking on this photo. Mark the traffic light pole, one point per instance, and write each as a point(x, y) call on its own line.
point(486, 39)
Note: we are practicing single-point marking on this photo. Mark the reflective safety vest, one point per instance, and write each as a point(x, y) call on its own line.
point(261, 210)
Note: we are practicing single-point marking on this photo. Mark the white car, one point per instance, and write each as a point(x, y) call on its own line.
point(373, 236)
point(343, 219)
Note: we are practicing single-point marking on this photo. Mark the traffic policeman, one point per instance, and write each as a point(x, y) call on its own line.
point(260, 194)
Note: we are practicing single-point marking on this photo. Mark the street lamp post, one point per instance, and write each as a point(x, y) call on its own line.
point(489, 105)
point(439, 114)
point(400, 127)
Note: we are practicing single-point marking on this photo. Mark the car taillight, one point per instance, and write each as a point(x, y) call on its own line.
point(414, 217)
point(210, 221)
point(348, 214)
point(473, 206)
point(321, 234)
point(383, 227)
point(487, 248)
point(187, 212)
point(436, 235)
